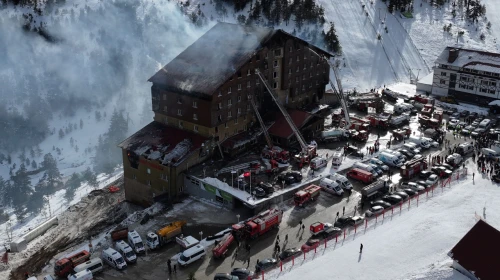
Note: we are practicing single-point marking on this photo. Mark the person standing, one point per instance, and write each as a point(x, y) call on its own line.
point(175, 268)
point(286, 237)
point(169, 264)
point(361, 248)
point(343, 211)
point(303, 227)
point(473, 176)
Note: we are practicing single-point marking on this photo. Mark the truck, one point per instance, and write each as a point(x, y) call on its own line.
point(258, 225)
point(64, 266)
point(390, 159)
point(379, 121)
point(401, 133)
point(306, 195)
point(427, 122)
point(423, 99)
point(119, 234)
point(365, 167)
point(135, 241)
point(319, 227)
point(427, 110)
point(390, 95)
point(376, 188)
point(337, 157)
point(359, 135)
point(221, 248)
point(164, 235)
point(333, 135)
point(359, 126)
point(276, 153)
point(360, 175)
point(413, 167)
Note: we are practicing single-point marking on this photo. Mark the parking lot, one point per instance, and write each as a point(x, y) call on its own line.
point(153, 265)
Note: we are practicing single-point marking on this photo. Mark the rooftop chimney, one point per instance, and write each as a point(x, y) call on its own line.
point(452, 55)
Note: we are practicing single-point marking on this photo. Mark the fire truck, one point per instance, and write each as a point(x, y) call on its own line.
point(401, 133)
point(361, 136)
point(359, 126)
point(427, 122)
point(422, 99)
point(413, 167)
point(220, 250)
point(258, 225)
point(306, 195)
point(379, 121)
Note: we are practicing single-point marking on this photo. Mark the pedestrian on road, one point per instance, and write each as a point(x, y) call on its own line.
point(169, 264)
point(473, 176)
point(276, 244)
point(354, 209)
point(175, 268)
point(343, 211)
point(337, 214)
point(300, 223)
point(361, 248)
point(286, 237)
point(278, 249)
point(303, 227)
point(277, 238)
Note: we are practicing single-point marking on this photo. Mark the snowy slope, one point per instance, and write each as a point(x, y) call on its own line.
point(410, 245)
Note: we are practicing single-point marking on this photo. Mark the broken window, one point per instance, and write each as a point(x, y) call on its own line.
point(275, 75)
point(257, 57)
point(239, 74)
point(275, 85)
point(216, 129)
point(275, 63)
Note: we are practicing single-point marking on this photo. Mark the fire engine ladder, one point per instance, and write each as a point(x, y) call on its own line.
point(294, 128)
point(340, 92)
point(264, 128)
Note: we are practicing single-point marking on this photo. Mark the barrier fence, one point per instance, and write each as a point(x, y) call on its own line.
point(369, 222)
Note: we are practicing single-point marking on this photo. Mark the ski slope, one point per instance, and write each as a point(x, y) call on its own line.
point(410, 245)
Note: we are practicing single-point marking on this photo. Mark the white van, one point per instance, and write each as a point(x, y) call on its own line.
point(127, 252)
point(402, 158)
point(94, 265)
point(113, 258)
point(365, 167)
point(412, 147)
point(331, 186)
point(318, 162)
point(82, 275)
point(135, 241)
point(342, 181)
point(465, 148)
point(390, 159)
point(420, 141)
point(431, 141)
point(191, 255)
point(489, 152)
point(485, 124)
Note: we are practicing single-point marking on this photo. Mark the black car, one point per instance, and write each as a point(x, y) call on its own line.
point(242, 273)
point(424, 183)
point(409, 192)
point(288, 178)
point(265, 264)
point(380, 203)
point(464, 113)
point(331, 232)
point(392, 199)
point(287, 254)
point(474, 115)
point(343, 222)
point(297, 175)
point(402, 194)
point(225, 276)
point(407, 153)
point(268, 188)
point(354, 151)
point(259, 192)
point(425, 174)
point(447, 166)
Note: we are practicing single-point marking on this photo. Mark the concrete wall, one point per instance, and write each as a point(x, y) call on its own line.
point(464, 271)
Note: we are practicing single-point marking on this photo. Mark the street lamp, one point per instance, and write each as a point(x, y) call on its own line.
point(238, 216)
point(232, 180)
point(201, 235)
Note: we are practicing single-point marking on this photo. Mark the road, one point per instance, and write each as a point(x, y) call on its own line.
point(153, 265)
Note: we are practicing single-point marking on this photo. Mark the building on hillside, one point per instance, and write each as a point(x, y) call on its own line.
point(476, 254)
point(467, 75)
point(204, 95)
point(310, 126)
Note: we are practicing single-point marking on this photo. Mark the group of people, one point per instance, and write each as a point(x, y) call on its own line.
point(372, 149)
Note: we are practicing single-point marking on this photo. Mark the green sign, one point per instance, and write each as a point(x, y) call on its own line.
point(226, 196)
point(210, 188)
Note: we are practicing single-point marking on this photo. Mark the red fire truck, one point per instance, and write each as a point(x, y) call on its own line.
point(428, 122)
point(359, 135)
point(413, 167)
point(258, 225)
point(401, 133)
point(221, 248)
point(306, 195)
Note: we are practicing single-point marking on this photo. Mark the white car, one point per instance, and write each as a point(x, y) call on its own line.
point(379, 163)
point(374, 210)
point(377, 169)
point(432, 179)
point(453, 123)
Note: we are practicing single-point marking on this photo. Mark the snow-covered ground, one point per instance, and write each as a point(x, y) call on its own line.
point(412, 244)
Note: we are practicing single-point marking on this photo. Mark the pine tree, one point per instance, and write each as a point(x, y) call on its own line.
point(331, 39)
point(61, 133)
point(91, 178)
point(9, 159)
point(49, 164)
point(72, 185)
point(20, 191)
point(81, 123)
point(33, 164)
point(32, 152)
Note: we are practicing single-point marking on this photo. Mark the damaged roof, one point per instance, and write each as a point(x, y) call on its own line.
point(282, 129)
point(478, 251)
point(212, 59)
point(168, 145)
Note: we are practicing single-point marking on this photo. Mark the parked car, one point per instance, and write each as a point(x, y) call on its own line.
point(432, 179)
point(265, 264)
point(379, 163)
point(287, 254)
point(259, 192)
point(462, 124)
point(225, 276)
point(380, 203)
point(374, 210)
point(423, 183)
point(425, 174)
point(242, 273)
point(357, 220)
point(409, 192)
point(343, 222)
point(377, 169)
point(412, 185)
point(418, 156)
point(402, 194)
point(464, 113)
point(455, 115)
point(475, 123)
point(311, 244)
point(392, 199)
point(288, 178)
point(354, 151)
point(268, 188)
point(452, 123)
point(406, 153)
point(447, 166)
point(296, 174)
point(331, 232)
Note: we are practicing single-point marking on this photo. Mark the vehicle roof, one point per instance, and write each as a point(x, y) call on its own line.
point(194, 249)
point(267, 260)
point(377, 207)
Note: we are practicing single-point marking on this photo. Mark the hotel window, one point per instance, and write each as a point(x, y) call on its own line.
point(181, 124)
point(195, 117)
point(195, 104)
point(229, 102)
point(236, 121)
point(275, 63)
point(290, 60)
point(311, 65)
point(239, 74)
point(290, 49)
point(298, 59)
point(257, 82)
point(289, 71)
point(239, 98)
point(298, 69)
point(248, 72)
point(239, 86)
point(225, 125)
point(179, 112)
point(219, 118)
point(164, 96)
point(257, 57)
point(275, 85)
point(196, 128)
point(275, 75)
point(179, 100)
point(296, 79)
point(166, 120)
point(219, 106)
point(229, 114)
point(220, 93)
point(305, 56)
point(248, 84)
point(239, 111)
point(229, 90)
point(165, 109)
point(148, 170)
point(248, 107)
point(149, 182)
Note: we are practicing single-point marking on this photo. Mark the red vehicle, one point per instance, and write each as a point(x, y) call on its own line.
point(427, 110)
point(318, 227)
point(308, 194)
point(364, 105)
point(428, 122)
point(422, 99)
point(361, 120)
point(438, 115)
point(413, 167)
point(360, 175)
point(119, 234)
point(276, 153)
point(221, 248)
point(311, 244)
point(258, 225)
point(359, 126)
point(65, 266)
point(359, 135)
point(378, 121)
